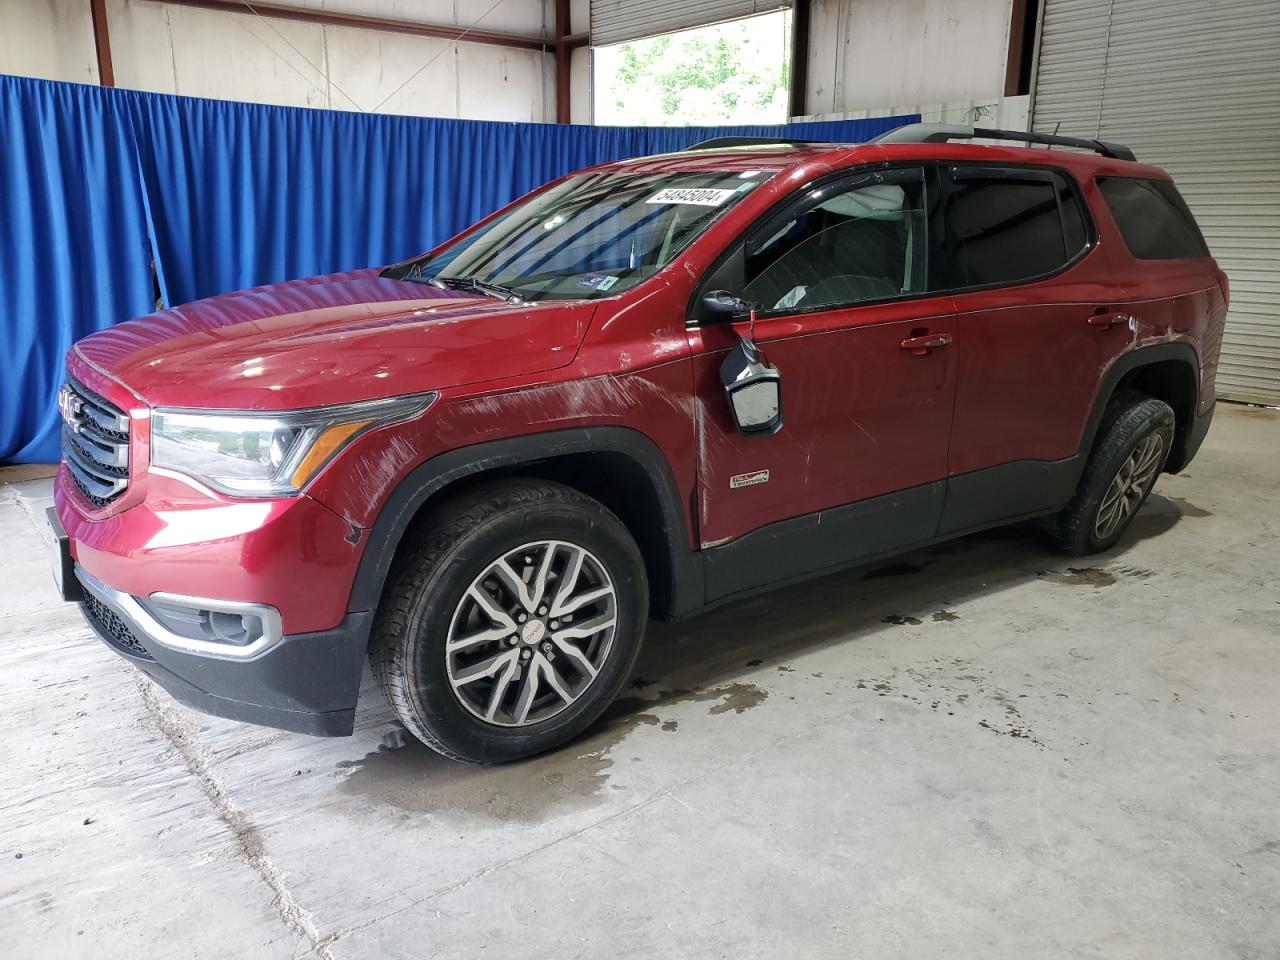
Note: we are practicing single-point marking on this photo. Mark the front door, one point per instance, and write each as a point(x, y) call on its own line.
point(868, 361)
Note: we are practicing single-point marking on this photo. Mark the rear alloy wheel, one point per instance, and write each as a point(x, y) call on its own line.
point(512, 621)
point(1130, 486)
point(1133, 443)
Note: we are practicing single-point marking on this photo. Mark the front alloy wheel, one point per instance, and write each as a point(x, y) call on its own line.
point(514, 618)
point(531, 633)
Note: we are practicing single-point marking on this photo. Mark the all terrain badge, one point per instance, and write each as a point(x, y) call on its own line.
point(748, 479)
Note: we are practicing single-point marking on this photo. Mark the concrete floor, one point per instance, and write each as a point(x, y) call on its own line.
point(982, 750)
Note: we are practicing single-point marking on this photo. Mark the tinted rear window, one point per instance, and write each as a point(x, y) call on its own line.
point(1153, 219)
point(1009, 226)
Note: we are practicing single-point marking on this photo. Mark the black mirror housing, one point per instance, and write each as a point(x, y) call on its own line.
point(754, 390)
point(722, 303)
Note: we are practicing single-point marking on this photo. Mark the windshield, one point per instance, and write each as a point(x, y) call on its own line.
point(594, 235)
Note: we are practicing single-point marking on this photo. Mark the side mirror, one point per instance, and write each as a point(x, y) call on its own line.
point(754, 390)
point(722, 303)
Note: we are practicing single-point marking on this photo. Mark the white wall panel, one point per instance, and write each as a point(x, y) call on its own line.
point(169, 48)
point(1002, 113)
point(505, 84)
point(370, 65)
point(865, 54)
point(50, 39)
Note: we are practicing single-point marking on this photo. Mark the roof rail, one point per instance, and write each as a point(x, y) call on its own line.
point(942, 132)
point(716, 143)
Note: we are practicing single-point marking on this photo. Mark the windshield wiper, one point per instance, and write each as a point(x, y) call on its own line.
point(480, 286)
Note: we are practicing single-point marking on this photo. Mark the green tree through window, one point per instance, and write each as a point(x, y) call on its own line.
point(734, 72)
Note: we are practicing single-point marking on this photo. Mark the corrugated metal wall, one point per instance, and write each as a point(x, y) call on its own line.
point(1195, 88)
point(613, 21)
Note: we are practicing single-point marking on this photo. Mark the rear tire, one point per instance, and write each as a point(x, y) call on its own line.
point(513, 623)
point(1133, 444)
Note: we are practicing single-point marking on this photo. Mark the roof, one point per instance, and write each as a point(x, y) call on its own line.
point(786, 156)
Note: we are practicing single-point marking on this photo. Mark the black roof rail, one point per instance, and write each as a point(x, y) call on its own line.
point(942, 132)
point(716, 143)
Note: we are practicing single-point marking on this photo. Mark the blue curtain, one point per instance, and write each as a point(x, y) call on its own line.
point(74, 253)
point(97, 184)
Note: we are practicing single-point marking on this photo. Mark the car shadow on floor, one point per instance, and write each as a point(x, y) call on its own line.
point(931, 583)
point(714, 656)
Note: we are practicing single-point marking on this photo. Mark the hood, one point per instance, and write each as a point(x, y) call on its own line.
point(334, 339)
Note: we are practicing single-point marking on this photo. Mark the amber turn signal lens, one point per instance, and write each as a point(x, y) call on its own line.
point(328, 443)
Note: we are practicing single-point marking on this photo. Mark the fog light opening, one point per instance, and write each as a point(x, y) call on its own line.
point(234, 628)
point(204, 624)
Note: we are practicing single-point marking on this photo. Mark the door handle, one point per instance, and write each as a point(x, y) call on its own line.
point(921, 345)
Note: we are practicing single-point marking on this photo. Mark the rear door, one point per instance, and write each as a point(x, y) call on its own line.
point(1040, 317)
point(842, 276)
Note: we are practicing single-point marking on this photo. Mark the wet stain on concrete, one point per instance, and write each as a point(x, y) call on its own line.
point(944, 616)
point(899, 620)
point(1016, 731)
point(1188, 509)
point(405, 774)
point(1078, 577)
point(898, 569)
point(742, 697)
point(754, 663)
point(954, 686)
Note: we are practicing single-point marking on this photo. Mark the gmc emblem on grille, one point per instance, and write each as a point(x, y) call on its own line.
point(69, 405)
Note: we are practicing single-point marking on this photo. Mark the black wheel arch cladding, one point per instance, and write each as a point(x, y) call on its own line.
point(677, 587)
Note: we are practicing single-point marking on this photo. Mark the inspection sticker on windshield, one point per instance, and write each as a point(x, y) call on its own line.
point(597, 281)
point(700, 196)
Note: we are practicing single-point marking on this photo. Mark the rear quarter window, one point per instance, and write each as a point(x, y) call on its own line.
point(1153, 219)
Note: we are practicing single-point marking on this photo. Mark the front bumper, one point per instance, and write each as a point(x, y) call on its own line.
point(307, 682)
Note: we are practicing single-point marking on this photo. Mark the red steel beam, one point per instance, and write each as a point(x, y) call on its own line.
point(564, 56)
point(102, 42)
point(331, 18)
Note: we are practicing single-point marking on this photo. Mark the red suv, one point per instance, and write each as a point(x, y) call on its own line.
point(646, 388)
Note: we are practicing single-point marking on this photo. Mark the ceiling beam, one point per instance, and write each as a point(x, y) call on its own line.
point(332, 18)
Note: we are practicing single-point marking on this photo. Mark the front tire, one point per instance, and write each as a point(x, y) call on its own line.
point(513, 623)
point(1135, 436)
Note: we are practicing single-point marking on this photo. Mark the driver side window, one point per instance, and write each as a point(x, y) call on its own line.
point(861, 244)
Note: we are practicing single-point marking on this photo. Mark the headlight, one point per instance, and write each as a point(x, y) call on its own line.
point(267, 454)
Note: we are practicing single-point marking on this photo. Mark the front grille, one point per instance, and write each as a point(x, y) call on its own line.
point(95, 443)
point(112, 628)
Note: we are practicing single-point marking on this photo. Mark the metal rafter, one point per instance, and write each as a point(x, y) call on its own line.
point(366, 22)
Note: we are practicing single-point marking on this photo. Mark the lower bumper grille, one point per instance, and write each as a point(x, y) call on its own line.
point(112, 627)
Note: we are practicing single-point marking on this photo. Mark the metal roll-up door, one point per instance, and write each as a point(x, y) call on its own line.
point(1195, 88)
point(613, 21)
